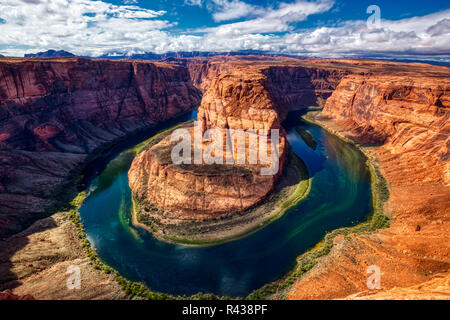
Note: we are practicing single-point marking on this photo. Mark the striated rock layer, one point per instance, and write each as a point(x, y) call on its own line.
point(234, 101)
point(197, 191)
point(55, 113)
point(402, 119)
point(251, 93)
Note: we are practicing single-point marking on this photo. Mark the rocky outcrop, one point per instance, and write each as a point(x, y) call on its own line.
point(438, 288)
point(195, 192)
point(407, 115)
point(9, 295)
point(238, 101)
point(401, 119)
point(55, 114)
point(37, 263)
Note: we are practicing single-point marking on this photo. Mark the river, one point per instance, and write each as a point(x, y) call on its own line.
point(340, 196)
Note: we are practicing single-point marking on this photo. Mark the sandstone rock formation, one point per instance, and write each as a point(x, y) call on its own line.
point(35, 262)
point(238, 101)
point(402, 119)
point(196, 191)
point(8, 295)
point(56, 113)
point(246, 93)
point(438, 288)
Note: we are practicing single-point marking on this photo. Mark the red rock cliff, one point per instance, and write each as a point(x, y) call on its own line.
point(54, 113)
point(235, 100)
point(408, 115)
point(401, 115)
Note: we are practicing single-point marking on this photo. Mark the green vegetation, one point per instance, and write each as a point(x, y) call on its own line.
point(307, 137)
point(134, 290)
point(380, 194)
point(301, 189)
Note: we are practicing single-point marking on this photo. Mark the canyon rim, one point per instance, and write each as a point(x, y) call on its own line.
point(224, 150)
point(396, 119)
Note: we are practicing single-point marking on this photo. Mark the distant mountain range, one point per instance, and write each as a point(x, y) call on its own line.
point(185, 54)
point(49, 54)
point(148, 55)
point(193, 54)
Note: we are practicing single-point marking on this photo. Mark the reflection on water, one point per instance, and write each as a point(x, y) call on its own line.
point(340, 196)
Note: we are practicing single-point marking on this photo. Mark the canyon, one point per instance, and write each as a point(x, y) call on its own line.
point(402, 121)
point(191, 192)
point(57, 115)
point(236, 97)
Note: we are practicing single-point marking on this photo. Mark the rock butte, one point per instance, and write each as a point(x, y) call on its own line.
point(190, 191)
point(57, 114)
point(233, 101)
point(239, 95)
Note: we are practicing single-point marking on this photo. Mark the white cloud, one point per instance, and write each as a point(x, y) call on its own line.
point(234, 9)
point(413, 36)
point(440, 28)
point(87, 27)
point(271, 19)
point(81, 26)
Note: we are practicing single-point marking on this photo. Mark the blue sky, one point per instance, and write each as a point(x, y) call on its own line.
point(330, 28)
point(196, 16)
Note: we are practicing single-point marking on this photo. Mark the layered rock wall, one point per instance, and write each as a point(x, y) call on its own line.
point(239, 100)
point(297, 87)
point(409, 116)
point(401, 119)
point(235, 100)
point(55, 113)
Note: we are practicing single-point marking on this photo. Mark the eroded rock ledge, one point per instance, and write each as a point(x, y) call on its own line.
point(404, 124)
point(401, 119)
point(237, 101)
point(57, 114)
